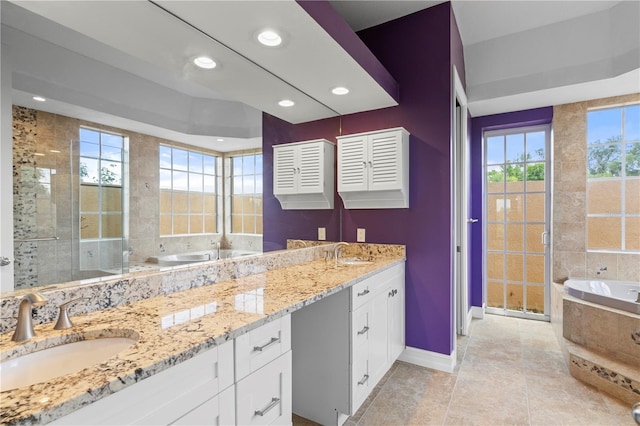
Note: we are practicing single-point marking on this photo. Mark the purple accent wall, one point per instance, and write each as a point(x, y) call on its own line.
point(479, 125)
point(416, 50)
point(325, 15)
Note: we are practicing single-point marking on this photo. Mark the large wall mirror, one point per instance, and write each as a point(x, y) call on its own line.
point(91, 196)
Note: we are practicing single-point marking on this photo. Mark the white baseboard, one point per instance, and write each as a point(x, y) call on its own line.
point(429, 359)
point(469, 318)
point(478, 311)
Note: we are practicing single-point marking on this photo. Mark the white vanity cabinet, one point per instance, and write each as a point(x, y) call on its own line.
point(246, 381)
point(344, 344)
point(197, 391)
point(303, 175)
point(373, 169)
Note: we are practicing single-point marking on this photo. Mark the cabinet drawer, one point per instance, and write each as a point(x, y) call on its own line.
point(360, 326)
point(262, 345)
point(264, 397)
point(362, 292)
point(360, 380)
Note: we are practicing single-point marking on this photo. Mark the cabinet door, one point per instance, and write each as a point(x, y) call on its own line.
point(395, 312)
point(310, 160)
point(219, 410)
point(378, 333)
point(385, 152)
point(285, 170)
point(352, 164)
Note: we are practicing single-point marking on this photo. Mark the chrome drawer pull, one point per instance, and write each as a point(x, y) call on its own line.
point(265, 410)
point(266, 345)
point(364, 380)
point(364, 330)
point(366, 291)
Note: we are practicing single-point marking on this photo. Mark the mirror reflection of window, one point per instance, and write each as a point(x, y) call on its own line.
point(188, 192)
point(101, 170)
point(246, 194)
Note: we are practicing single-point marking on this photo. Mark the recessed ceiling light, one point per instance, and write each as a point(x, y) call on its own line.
point(205, 62)
point(286, 103)
point(39, 98)
point(340, 90)
point(270, 38)
point(220, 140)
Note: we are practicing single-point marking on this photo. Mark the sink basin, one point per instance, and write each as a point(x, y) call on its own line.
point(353, 261)
point(59, 360)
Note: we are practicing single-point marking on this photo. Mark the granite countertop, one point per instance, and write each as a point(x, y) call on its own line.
point(171, 329)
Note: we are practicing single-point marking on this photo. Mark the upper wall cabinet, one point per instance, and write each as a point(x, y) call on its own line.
point(303, 175)
point(373, 169)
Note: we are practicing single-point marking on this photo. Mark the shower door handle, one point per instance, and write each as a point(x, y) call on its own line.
point(4, 261)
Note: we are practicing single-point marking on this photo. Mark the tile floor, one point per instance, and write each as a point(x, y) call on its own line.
point(510, 371)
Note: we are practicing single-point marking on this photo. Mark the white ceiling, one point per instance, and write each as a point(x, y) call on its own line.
point(522, 54)
point(518, 55)
point(478, 20)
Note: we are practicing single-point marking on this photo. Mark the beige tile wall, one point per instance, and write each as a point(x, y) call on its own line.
point(569, 223)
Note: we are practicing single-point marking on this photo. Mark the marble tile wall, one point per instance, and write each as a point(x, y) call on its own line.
point(569, 251)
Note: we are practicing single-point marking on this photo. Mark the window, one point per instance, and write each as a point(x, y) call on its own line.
point(246, 194)
point(101, 171)
point(188, 192)
point(613, 179)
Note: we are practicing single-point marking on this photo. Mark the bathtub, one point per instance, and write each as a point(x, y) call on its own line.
point(198, 256)
point(615, 294)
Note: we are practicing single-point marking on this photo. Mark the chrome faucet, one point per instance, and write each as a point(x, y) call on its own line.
point(64, 322)
point(24, 327)
point(338, 248)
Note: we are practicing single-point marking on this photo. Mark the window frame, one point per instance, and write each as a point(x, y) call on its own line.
point(623, 179)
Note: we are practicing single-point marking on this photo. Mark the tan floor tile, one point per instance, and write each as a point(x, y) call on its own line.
point(478, 400)
point(412, 396)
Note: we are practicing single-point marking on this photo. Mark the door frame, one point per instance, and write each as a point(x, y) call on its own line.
point(459, 208)
point(6, 170)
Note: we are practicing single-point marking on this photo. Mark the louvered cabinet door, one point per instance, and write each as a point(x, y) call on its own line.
point(285, 170)
point(310, 177)
point(353, 164)
point(385, 171)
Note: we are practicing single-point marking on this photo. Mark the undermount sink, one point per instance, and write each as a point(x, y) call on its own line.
point(56, 361)
point(354, 261)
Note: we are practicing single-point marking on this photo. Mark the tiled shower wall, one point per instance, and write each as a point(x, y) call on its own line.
point(51, 261)
point(569, 226)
